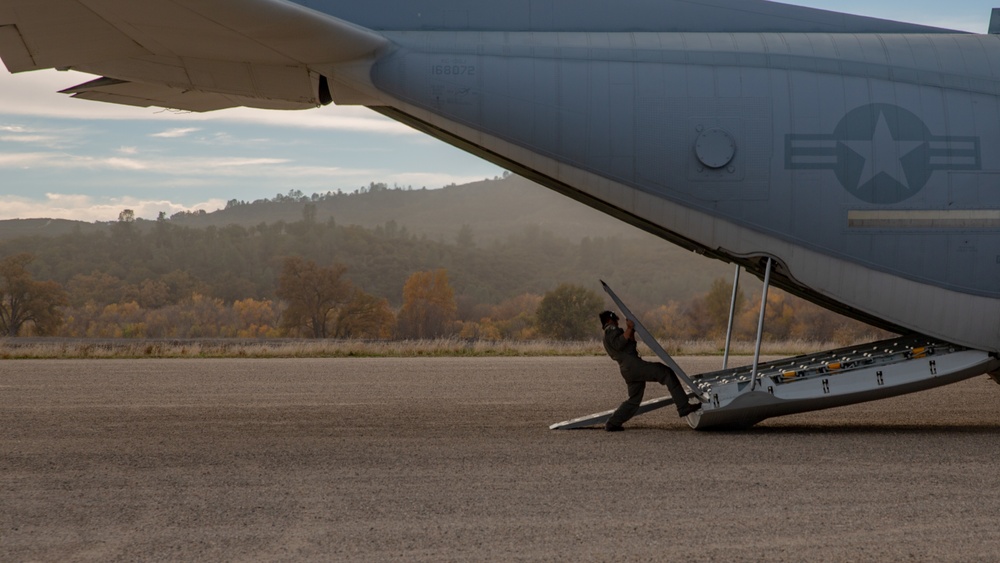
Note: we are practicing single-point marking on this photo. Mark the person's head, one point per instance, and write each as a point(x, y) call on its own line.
point(608, 317)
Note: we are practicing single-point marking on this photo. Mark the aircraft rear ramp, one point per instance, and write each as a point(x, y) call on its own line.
point(818, 381)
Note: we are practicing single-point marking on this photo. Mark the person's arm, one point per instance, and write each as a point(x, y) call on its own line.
point(629, 329)
point(614, 339)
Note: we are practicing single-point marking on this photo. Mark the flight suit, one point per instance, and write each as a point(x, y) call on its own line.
point(636, 373)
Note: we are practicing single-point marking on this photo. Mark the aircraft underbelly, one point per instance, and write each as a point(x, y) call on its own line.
point(748, 156)
point(956, 317)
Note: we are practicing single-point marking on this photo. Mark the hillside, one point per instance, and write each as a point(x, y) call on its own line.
point(15, 228)
point(510, 228)
point(495, 208)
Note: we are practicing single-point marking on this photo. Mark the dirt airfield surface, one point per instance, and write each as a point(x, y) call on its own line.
point(451, 459)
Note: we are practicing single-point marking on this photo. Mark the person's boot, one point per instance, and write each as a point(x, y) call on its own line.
point(612, 427)
point(680, 397)
point(688, 409)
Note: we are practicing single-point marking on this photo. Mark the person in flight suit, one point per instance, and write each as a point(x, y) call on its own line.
point(621, 346)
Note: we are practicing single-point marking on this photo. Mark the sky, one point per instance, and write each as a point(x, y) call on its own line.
point(75, 159)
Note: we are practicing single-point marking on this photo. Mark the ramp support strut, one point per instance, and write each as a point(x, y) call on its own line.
point(760, 324)
point(732, 315)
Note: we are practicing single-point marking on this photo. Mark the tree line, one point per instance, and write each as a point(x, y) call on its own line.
point(163, 262)
point(324, 280)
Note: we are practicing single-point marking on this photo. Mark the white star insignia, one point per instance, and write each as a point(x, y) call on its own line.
point(883, 153)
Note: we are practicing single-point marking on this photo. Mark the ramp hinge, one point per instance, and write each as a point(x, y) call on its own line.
point(878, 376)
point(933, 365)
point(826, 386)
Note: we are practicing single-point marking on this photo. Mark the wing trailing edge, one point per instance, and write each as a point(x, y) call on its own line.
point(195, 55)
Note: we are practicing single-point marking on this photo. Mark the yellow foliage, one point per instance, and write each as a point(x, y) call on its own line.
point(429, 306)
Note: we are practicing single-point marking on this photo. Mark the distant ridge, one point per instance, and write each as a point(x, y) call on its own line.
point(480, 225)
point(14, 228)
point(494, 209)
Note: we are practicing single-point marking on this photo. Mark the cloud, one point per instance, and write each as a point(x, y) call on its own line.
point(176, 133)
point(36, 139)
point(23, 160)
point(51, 138)
point(166, 165)
point(89, 208)
point(36, 94)
point(204, 167)
point(86, 208)
point(62, 136)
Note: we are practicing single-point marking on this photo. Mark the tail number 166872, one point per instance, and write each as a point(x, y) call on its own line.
point(453, 70)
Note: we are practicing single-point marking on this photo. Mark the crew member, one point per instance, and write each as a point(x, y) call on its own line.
point(621, 346)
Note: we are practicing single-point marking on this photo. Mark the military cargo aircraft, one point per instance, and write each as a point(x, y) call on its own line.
point(852, 161)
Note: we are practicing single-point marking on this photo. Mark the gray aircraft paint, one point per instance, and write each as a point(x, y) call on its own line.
point(733, 16)
point(910, 120)
point(620, 113)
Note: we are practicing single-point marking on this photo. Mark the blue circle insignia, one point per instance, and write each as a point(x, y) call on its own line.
point(881, 153)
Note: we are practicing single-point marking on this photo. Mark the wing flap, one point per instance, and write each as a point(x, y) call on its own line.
point(60, 33)
point(15, 53)
point(154, 95)
point(262, 51)
point(68, 33)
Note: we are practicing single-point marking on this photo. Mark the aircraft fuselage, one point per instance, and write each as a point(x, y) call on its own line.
point(866, 165)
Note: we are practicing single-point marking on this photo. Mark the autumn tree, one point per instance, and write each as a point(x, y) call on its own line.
point(669, 322)
point(516, 316)
point(314, 295)
point(429, 307)
point(24, 300)
point(718, 302)
point(256, 318)
point(513, 319)
point(365, 316)
point(100, 288)
point(569, 312)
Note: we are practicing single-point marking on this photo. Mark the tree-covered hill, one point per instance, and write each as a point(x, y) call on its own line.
point(501, 247)
point(15, 228)
point(236, 262)
point(497, 238)
point(497, 208)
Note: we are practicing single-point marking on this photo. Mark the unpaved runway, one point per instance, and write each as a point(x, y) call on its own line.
point(451, 460)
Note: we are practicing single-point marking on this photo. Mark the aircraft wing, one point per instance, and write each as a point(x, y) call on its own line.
point(196, 55)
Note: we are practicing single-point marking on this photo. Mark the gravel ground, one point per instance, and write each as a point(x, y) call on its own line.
point(451, 459)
